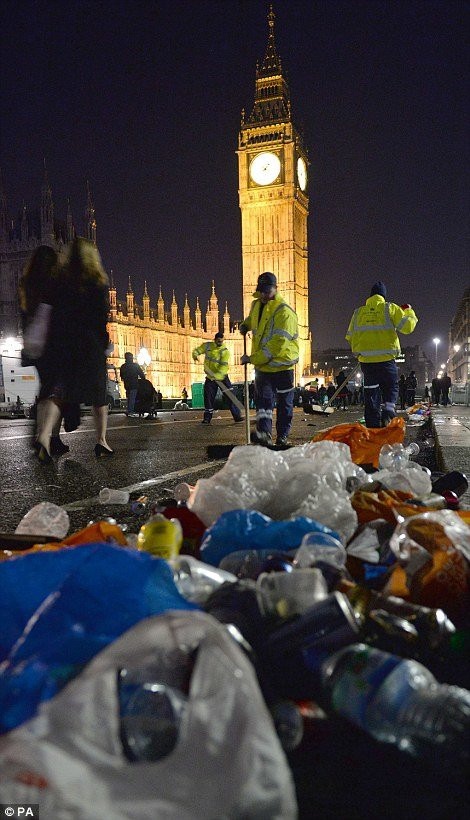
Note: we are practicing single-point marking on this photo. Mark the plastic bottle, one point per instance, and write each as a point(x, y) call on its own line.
point(399, 701)
point(196, 580)
point(161, 537)
point(395, 456)
point(152, 702)
point(45, 519)
point(433, 626)
point(251, 563)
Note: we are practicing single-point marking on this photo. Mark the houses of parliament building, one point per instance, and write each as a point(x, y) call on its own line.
point(273, 184)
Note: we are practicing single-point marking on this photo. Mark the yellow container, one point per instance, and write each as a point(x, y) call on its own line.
point(161, 537)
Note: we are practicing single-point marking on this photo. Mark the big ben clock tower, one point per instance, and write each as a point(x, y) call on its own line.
point(273, 194)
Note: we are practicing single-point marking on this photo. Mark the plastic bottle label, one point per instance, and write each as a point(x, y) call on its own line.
point(358, 681)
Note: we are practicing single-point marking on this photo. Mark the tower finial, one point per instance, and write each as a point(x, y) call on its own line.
point(129, 286)
point(271, 19)
point(145, 288)
point(111, 279)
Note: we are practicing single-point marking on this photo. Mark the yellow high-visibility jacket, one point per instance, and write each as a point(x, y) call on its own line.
point(372, 331)
point(275, 345)
point(215, 359)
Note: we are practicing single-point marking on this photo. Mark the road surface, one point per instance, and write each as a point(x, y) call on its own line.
point(163, 452)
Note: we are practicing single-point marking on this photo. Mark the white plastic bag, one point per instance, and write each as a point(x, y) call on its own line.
point(278, 483)
point(227, 763)
point(44, 518)
point(330, 507)
point(247, 481)
point(411, 479)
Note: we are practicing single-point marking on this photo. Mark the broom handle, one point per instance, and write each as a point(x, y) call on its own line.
point(341, 386)
point(247, 397)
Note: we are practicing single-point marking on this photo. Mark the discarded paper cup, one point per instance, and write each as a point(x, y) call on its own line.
point(108, 496)
point(182, 492)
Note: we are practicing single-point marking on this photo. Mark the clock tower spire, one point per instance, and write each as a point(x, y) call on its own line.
point(273, 193)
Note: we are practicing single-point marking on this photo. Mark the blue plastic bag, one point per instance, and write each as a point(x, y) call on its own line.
point(59, 609)
point(251, 530)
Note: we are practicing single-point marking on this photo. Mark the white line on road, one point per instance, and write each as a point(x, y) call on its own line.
point(119, 427)
point(143, 485)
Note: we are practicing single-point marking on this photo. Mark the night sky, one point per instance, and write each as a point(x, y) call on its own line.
point(144, 100)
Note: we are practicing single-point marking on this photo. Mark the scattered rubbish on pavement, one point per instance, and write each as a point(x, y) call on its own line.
point(328, 582)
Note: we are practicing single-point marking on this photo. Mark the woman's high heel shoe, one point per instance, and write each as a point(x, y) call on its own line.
point(42, 455)
point(102, 451)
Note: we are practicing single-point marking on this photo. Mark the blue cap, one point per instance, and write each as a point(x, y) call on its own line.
point(378, 289)
point(266, 281)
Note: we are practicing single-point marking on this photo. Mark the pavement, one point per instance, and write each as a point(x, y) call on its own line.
point(155, 455)
point(150, 456)
point(452, 433)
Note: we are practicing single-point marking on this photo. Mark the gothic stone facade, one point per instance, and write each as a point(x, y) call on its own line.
point(19, 239)
point(170, 338)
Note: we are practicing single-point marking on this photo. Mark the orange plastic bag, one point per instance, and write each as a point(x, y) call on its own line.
point(365, 443)
point(434, 571)
point(386, 504)
point(98, 532)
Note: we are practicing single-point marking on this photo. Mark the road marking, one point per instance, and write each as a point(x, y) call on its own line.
point(119, 427)
point(143, 485)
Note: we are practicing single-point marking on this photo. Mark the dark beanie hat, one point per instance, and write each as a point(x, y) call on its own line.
point(379, 289)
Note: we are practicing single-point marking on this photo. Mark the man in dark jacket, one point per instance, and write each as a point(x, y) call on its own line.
point(130, 374)
point(411, 385)
point(436, 390)
point(445, 387)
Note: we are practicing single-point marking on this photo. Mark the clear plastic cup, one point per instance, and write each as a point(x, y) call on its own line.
point(109, 496)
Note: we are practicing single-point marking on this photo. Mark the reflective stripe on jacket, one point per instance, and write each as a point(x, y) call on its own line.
point(275, 344)
point(372, 331)
point(215, 359)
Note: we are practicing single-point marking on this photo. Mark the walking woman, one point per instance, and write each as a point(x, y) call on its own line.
point(38, 288)
point(78, 329)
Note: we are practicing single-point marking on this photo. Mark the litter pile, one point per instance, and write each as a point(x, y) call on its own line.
point(166, 673)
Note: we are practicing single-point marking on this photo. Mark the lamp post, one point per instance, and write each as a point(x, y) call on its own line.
point(143, 358)
point(436, 342)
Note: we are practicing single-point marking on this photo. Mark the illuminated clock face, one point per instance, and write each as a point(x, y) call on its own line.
point(302, 173)
point(265, 168)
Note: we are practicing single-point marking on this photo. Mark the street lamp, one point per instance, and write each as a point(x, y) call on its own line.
point(456, 348)
point(143, 358)
point(436, 342)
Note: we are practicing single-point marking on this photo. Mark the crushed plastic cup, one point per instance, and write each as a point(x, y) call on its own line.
point(319, 546)
point(109, 496)
point(290, 593)
point(45, 519)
